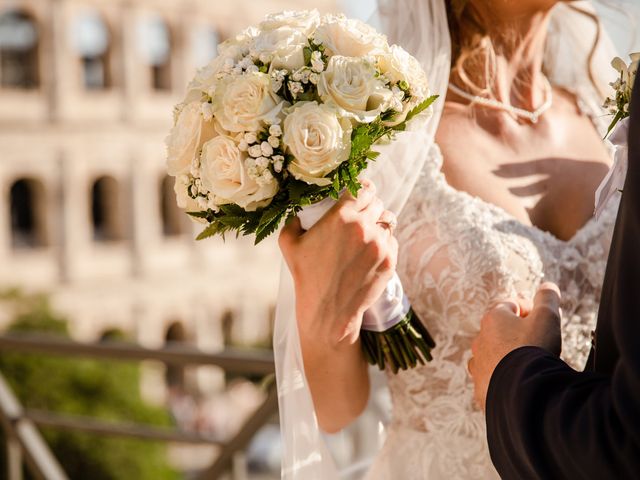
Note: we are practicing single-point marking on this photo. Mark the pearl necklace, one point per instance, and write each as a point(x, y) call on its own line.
point(532, 116)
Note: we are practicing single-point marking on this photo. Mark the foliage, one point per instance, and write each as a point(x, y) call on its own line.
point(109, 391)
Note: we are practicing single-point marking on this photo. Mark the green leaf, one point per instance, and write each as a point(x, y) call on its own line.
point(421, 108)
point(270, 221)
point(204, 215)
point(307, 55)
point(210, 231)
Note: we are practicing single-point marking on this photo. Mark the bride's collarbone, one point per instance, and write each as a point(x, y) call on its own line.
point(545, 183)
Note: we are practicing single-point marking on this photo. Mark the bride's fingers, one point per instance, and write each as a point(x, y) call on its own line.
point(365, 196)
point(512, 306)
point(388, 221)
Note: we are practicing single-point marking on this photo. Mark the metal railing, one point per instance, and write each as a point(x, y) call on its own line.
point(25, 443)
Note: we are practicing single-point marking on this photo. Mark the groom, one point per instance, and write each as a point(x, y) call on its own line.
point(545, 420)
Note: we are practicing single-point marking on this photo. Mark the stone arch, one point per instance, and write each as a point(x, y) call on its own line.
point(93, 44)
point(19, 50)
point(156, 40)
point(171, 217)
point(27, 211)
point(106, 212)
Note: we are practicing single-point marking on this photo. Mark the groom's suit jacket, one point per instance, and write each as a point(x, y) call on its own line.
point(547, 421)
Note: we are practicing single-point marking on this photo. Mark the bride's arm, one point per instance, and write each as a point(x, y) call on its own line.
point(340, 267)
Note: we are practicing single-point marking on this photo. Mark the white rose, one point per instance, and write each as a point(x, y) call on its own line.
point(285, 47)
point(186, 138)
point(318, 139)
point(398, 65)
point(306, 21)
point(351, 85)
point(243, 103)
point(224, 174)
point(349, 37)
point(238, 46)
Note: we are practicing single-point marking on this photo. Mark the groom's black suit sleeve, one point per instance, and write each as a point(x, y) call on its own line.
point(547, 421)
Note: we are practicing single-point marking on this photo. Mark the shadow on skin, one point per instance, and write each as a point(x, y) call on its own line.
point(564, 212)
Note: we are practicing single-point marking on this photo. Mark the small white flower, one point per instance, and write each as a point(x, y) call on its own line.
point(250, 137)
point(207, 111)
point(278, 163)
point(243, 146)
point(317, 65)
point(253, 69)
point(202, 202)
point(267, 149)
point(265, 179)
point(255, 151)
point(305, 75)
point(274, 141)
point(314, 78)
point(262, 162)
point(245, 63)
point(296, 89)
point(275, 130)
point(297, 76)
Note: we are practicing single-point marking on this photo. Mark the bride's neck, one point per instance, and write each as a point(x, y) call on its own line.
point(516, 75)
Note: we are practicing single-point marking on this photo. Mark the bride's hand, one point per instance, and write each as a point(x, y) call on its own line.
point(340, 267)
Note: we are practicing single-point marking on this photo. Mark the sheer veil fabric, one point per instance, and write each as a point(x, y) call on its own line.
point(420, 26)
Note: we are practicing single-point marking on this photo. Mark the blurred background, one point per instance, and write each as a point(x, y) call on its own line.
point(177, 382)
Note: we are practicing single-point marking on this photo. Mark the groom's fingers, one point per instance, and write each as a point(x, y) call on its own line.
point(547, 300)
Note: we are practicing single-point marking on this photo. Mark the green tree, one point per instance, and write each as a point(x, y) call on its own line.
point(105, 390)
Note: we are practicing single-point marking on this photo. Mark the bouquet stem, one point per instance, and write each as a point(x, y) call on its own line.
point(401, 347)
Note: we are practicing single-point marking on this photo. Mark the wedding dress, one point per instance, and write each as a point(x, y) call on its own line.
point(458, 255)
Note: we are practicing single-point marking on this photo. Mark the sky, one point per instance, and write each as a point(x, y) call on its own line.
point(615, 25)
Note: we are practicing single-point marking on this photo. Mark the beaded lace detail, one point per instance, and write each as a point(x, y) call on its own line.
point(458, 255)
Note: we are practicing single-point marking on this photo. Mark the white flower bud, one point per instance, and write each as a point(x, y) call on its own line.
point(262, 162)
point(243, 146)
point(274, 141)
point(314, 78)
point(255, 151)
point(275, 130)
point(278, 163)
point(250, 137)
point(207, 111)
point(267, 150)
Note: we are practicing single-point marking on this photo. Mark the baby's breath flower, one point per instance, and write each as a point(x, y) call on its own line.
point(207, 111)
point(275, 130)
point(267, 149)
point(262, 162)
point(278, 163)
point(255, 151)
point(243, 146)
point(250, 137)
point(296, 89)
point(274, 141)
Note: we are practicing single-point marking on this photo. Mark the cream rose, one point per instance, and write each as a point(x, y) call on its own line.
point(318, 139)
point(224, 174)
point(349, 37)
point(398, 65)
point(243, 102)
point(628, 72)
point(350, 84)
point(283, 47)
point(187, 136)
point(305, 21)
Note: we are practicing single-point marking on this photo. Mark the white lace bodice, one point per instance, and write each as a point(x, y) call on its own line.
point(459, 254)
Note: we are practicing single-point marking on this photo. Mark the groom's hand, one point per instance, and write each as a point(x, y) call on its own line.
point(509, 326)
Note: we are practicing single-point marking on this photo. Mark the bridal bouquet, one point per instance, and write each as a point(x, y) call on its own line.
point(285, 118)
point(618, 132)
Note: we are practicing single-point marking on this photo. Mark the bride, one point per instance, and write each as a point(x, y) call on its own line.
point(504, 201)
